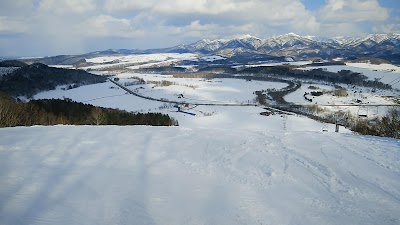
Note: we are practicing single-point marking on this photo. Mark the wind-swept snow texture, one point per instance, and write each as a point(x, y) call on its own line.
point(172, 175)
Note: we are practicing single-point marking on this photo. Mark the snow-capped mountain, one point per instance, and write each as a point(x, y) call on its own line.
point(371, 39)
point(299, 46)
point(384, 46)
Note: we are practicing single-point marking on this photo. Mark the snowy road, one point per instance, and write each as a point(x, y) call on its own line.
point(175, 175)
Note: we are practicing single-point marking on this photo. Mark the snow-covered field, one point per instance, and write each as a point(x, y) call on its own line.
point(212, 58)
point(193, 90)
point(182, 175)
point(293, 63)
point(138, 60)
point(226, 165)
point(386, 73)
point(236, 91)
point(103, 94)
point(63, 66)
point(203, 90)
point(380, 67)
point(365, 96)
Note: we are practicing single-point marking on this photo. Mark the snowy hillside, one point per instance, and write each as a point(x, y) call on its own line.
point(386, 73)
point(177, 175)
point(231, 161)
point(137, 60)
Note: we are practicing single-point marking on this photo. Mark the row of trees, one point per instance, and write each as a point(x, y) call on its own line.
point(341, 77)
point(12, 63)
point(387, 126)
point(54, 111)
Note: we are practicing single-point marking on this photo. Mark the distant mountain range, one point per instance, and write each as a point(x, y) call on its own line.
point(301, 46)
point(295, 45)
point(374, 45)
point(384, 46)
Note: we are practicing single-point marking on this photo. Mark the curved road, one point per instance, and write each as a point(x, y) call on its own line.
point(277, 95)
point(175, 102)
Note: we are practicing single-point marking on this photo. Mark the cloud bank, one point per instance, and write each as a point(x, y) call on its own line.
point(48, 27)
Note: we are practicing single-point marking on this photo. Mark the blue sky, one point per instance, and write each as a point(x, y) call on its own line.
point(51, 27)
point(313, 4)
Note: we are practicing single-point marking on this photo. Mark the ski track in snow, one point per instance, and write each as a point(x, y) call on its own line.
point(177, 175)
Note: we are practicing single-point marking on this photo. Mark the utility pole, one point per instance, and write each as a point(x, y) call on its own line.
point(337, 125)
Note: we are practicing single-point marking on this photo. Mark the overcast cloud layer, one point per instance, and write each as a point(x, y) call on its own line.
point(50, 27)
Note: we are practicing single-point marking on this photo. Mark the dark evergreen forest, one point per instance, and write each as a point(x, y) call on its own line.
point(32, 79)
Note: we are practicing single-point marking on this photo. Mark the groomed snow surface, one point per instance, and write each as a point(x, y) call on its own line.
point(177, 175)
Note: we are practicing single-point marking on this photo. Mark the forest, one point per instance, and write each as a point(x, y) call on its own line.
point(32, 79)
point(12, 63)
point(56, 111)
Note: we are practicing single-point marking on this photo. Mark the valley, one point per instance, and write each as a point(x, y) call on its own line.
point(173, 112)
point(219, 84)
point(252, 142)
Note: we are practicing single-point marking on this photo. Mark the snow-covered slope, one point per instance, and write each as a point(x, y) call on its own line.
point(147, 175)
point(134, 61)
point(386, 73)
point(226, 165)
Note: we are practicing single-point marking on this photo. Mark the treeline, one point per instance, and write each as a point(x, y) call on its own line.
point(12, 63)
point(162, 70)
point(55, 111)
point(29, 80)
point(341, 77)
point(387, 126)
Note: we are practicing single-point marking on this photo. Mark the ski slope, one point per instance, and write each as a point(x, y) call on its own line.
point(180, 175)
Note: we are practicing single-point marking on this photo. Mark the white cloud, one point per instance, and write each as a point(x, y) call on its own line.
point(173, 6)
point(15, 7)
point(272, 10)
point(71, 25)
point(342, 29)
point(268, 14)
point(198, 30)
point(67, 6)
point(352, 11)
point(108, 26)
point(392, 27)
point(12, 25)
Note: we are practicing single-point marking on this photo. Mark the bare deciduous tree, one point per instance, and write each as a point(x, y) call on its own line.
point(98, 117)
